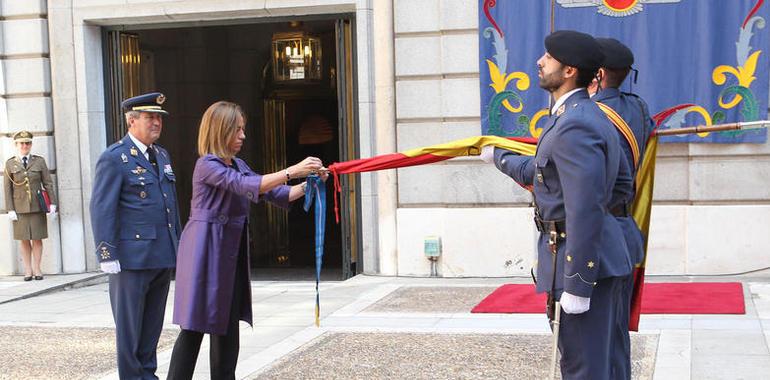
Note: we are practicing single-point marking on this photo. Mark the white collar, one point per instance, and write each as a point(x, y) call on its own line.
point(563, 99)
point(21, 158)
point(138, 143)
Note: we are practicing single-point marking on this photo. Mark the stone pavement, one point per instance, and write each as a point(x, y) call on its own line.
point(384, 327)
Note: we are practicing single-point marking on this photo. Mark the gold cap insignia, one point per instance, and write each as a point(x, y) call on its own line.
point(160, 99)
point(22, 136)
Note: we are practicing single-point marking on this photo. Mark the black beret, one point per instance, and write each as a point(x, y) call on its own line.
point(574, 49)
point(150, 102)
point(616, 55)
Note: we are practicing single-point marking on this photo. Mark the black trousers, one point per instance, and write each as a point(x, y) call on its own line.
point(223, 350)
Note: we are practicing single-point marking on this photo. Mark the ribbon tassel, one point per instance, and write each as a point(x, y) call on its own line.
point(316, 192)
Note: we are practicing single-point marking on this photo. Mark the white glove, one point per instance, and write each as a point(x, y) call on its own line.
point(12, 216)
point(487, 153)
point(572, 304)
point(111, 267)
point(52, 209)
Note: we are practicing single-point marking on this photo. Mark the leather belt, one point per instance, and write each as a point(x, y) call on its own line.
point(546, 226)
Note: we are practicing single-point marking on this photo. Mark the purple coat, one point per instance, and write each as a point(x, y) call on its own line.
point(208, 249)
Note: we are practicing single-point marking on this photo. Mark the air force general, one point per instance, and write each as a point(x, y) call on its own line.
point(136, 230)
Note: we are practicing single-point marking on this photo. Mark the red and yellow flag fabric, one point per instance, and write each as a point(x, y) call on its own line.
point(470, 146)
point(527, 146)
point(641, 211)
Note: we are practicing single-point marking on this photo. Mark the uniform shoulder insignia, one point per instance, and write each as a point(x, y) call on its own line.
point(115, 146)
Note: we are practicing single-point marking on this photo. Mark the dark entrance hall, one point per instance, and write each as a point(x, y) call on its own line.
point(287, 120)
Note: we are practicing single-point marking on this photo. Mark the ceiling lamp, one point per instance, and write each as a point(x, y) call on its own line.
point(296, 57)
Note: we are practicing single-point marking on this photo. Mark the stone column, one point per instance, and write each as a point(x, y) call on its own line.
point(366, 136)
point(65, 111)
point(385, 133)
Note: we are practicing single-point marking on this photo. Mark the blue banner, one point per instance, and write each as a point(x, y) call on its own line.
point(699, 62)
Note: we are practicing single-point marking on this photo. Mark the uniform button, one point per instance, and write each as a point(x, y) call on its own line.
point(222, 218)
point(168, 210)
point(164, 195)
point(169, 225)
point(137, 236)
point(249, 195)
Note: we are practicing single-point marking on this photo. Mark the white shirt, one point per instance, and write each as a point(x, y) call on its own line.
point(563, 99)
point(139, 145)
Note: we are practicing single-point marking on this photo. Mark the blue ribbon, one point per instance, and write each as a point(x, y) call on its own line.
point(316, 191)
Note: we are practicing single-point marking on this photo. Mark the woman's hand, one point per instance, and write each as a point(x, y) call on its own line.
point(307, 166)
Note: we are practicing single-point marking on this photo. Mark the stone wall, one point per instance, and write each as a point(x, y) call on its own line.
point(25, 104)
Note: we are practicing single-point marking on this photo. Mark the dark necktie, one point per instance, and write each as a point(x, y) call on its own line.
point(151, 157)
point(24, 161)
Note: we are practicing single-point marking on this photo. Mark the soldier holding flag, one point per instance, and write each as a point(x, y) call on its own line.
point(582, 254)
point(634, 127)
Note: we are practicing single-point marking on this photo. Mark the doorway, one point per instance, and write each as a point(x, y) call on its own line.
point(287, 120)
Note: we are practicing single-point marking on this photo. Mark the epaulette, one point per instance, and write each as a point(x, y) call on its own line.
point(641, 101)
point(115, 146)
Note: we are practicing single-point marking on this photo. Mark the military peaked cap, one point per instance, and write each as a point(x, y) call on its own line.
point(616, 55)
point(150, 102)
point(574, 49)
point(22, 136)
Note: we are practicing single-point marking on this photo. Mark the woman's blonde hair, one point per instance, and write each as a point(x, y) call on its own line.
point(218, 126)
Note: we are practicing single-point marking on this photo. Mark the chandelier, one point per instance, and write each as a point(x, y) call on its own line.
point(296, 57)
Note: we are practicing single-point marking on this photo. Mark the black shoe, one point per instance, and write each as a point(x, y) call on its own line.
point(27, 278)
point(38, 277)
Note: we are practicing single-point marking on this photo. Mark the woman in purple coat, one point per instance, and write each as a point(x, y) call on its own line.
point(213, 291)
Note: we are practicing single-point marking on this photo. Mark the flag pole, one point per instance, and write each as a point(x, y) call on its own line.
point(714, 128)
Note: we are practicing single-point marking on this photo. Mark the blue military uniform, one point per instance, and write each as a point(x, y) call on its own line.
point(577, 165)
point(135, 221)
point(633, 110)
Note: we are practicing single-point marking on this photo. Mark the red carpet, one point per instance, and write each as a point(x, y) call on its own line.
point(657, 298)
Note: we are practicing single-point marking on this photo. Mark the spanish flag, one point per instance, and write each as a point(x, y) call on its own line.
point(470, 146)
